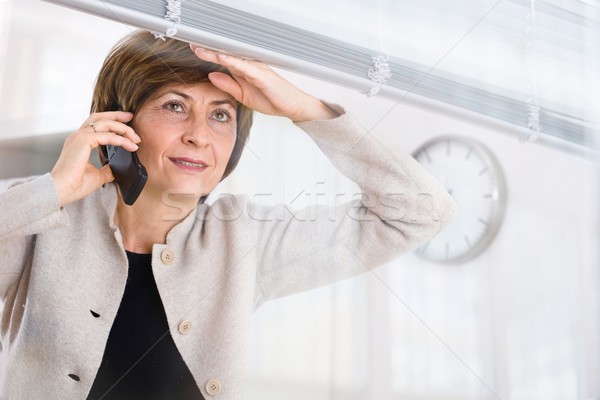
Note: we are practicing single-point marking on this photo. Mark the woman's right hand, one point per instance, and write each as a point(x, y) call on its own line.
point(73, 174)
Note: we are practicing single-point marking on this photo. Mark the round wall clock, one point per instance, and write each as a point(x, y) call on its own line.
point(473, 177)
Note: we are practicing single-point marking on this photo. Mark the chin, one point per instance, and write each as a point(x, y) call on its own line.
point(184, 190)
point(187, 192)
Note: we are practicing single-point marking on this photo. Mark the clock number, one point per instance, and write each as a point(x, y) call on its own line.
point(469, 245)
point(469, 153)
point(426, 154)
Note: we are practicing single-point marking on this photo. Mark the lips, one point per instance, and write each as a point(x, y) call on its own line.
point(189, 164)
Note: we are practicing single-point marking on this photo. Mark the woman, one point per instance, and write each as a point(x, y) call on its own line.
point(153, 301)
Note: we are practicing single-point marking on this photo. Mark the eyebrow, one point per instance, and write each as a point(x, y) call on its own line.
point(187, 97)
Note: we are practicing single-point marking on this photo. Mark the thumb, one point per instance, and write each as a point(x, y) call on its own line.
point(107, 175)
point(227, 84)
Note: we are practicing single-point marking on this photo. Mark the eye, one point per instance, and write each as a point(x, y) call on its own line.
point(174, 106)
point(221, 116)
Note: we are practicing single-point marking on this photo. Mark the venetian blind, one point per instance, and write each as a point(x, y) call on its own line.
point(222, 25)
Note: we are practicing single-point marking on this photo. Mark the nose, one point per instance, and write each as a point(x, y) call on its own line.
point(197, 132)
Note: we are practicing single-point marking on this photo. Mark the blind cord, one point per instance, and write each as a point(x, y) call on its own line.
point(532, 105)
point(380, 72)
point(173, 14)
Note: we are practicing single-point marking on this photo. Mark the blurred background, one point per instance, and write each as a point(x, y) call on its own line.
point(517, 320)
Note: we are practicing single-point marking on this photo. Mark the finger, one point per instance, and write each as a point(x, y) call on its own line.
point(194, 46)
point(120, 116)
point(227, 84)
point(232, 62)
point(118, 128)
point(108, 138)
point(239, 65)
point(204, 54)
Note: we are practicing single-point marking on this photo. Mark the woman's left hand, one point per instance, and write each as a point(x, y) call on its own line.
point(260, 88)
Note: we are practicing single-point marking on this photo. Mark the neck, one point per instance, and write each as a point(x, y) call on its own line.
point(149, 220)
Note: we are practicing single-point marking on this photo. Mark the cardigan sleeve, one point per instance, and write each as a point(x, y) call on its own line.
point(402, 206)
point(29, 207)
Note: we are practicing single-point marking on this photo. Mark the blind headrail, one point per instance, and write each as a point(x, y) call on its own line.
point(234, 31)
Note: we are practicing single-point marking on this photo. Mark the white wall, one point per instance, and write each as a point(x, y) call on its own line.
point(50, 57)
point(518, 322)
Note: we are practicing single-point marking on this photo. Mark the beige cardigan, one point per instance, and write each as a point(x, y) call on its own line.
point(63, 270)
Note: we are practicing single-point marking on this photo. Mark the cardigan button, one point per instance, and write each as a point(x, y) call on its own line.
point(185, 327)
point(167, 256)
point(213, 387)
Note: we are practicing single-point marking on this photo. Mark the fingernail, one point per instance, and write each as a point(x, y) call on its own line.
point(199, 50)
point(223, 56)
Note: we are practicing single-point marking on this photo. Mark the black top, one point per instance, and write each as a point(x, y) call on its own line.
point(140, 359)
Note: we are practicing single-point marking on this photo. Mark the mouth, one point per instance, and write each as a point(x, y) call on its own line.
point(189, 164)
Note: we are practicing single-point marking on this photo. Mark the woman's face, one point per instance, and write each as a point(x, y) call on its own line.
point(188, 133)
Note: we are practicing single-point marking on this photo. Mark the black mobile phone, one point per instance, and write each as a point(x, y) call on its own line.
point(130, 175)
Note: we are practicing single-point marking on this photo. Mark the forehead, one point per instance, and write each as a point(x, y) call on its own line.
point(204, 92)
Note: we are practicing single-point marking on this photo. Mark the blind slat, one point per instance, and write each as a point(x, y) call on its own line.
point(288, 47)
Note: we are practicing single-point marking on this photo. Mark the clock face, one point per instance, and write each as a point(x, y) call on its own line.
point(472, 176)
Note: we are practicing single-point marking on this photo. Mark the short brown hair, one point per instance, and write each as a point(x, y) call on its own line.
point(140, 64)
